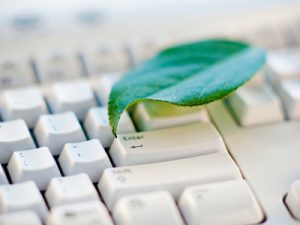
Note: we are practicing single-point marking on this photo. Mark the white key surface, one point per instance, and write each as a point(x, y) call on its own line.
point(15, 72)
point(290, 93)
point(21, 197)
point(57, 65)
point(268, 157)
point(147, 46)
point(293, 199)
point(172, 176)
point(166, 144)
point(147, 209)
point(54, 131)
point(97, 125)
point(157, 115)
point(207, 204)
point(20, 218)
point(265, 37)
point(14, 136)
point(284, 65)
point(24, 103)
point(37, 165)
point(255, 105)
point(70, 189)
point(102, 86)
point(109, 57)
point(84, 157)
point(87, 213)
point(76, 96)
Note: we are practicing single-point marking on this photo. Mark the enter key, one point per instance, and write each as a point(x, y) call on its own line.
point(166, 144)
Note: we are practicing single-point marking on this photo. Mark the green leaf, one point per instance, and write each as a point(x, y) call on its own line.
point(187, 75)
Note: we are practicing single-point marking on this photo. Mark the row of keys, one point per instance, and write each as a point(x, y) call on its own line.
point(29, 105)
point(245, 102)
point(38, 165)
point(65, 65)
point(261, 103)
point(77, 155)
point(114, 182)
point(61, 65)
point(61, 191)
point(196, 203)
point(77, 96)
point(58, 65)
point(54, 131)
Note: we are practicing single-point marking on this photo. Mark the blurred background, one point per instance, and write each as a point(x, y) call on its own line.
point(112, 36)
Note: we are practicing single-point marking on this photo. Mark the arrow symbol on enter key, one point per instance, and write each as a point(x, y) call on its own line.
point(136, 146)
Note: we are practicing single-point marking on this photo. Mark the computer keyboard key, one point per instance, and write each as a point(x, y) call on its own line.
point(255, 105)
point(24, 103)
point(70, 189)
point(293, 199)
point(156, 115)
point(109, 57)
point(87, 213)
point(257, 79)
point(20, 218)
point(3, 178)
point(267, 37)
point(57, 65)
point(224, 203)
point(22, 197)
point(172, 176)
point(54, 131)
point(97, 125)
point(283, 65)
point(84, 157)
point(166, 144)
point(76, 96)
point(14, 136)
point(37, 165)
point(147, 209)
point(102, 86)
point(145, 47)
point(289, 91)
point(15, 72)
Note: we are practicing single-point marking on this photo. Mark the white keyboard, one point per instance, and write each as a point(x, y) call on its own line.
point(231, 162)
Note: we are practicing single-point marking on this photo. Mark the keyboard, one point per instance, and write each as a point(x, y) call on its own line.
point(231, 162)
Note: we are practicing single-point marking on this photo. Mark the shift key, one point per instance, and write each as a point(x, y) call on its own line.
point(172, 176)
